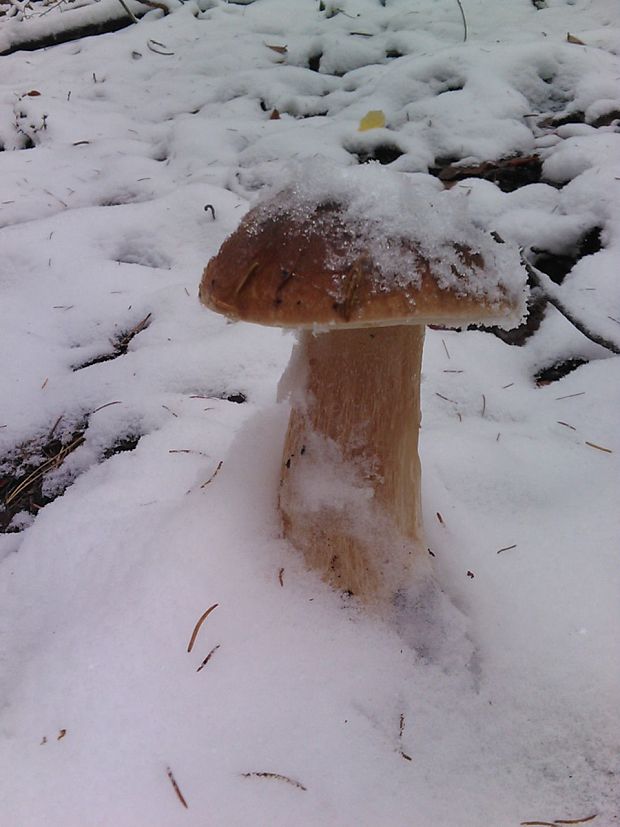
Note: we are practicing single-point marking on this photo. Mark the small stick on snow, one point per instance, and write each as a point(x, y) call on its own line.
point(275, 776)
point(552, 294)
point(460, 5)
point(400, 736)
point(170, 411)
point(445, 398)
point(210, 208)
point(599, 447)
point(538, 824)
point(507, 386)
point(208, 658)
point(201, 620)
point(506, 548)
point(575, 820)
point(484, 404)
point(281, 577)
point(440, 518)
point(445, 347)
point(133, 17)
point(175, 786)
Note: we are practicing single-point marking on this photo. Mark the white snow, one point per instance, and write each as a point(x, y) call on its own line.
point(501, 686)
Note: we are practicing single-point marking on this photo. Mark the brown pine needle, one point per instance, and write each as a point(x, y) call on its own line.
point(507, 548)
point(201, 620)
point(445, 347)
point(107, 405)
point(445, 397)
point(214, 474)
point(276, 777)
point(575, 820)
point(281, 577)
point(440, 518)
point(484, 404)
point(599, 447)
point(570, 395)
point(176, 788)
point(208, 658)
point(537, 824)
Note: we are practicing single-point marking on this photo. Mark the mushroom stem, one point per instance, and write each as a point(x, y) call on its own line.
point(350, 486)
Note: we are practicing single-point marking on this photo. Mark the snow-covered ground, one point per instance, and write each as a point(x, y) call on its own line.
point(309, 710)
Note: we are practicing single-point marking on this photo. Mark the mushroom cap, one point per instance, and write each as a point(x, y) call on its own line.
point(311, 265)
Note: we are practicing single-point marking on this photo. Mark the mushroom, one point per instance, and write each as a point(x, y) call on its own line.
point(359, 287)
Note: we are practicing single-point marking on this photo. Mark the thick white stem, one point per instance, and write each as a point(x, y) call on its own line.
point(350, 487)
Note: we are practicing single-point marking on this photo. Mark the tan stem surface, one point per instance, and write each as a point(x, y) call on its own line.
point(350, 488)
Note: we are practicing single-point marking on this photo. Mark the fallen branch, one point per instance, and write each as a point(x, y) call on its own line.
point(550, 291)
point(97, 18)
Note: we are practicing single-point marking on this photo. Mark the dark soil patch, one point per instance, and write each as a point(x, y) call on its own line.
point(314, 61)
point(509, 174)
point(384, 153)
point(122, 445)
point(27, 468)
point(557, 371)
point(558, 265)
point(120, 344)
point(25, 472)
point(607, 119)
point(518, 336)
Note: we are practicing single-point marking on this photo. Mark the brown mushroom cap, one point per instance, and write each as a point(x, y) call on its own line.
point(313, 269)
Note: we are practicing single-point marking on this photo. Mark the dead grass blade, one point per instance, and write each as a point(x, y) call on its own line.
point(275, 776)
point(201, 620)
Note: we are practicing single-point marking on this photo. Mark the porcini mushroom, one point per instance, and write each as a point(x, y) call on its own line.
point(359, 278)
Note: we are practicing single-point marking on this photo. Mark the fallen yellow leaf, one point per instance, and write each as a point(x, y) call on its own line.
point(375, 119)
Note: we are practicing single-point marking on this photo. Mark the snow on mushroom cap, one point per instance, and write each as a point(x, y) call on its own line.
point(396, 220)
